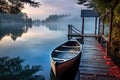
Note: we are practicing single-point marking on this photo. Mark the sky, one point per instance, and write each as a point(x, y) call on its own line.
point(49, 7)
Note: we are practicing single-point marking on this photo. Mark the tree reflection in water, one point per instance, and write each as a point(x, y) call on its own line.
point(14, 30)
point(12, 69)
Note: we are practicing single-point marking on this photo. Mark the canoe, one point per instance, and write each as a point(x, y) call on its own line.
point(65, 56)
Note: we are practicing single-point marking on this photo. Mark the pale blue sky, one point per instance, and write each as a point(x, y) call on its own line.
point(53, 7)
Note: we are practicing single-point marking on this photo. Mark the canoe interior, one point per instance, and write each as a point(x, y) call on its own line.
point(66, 51)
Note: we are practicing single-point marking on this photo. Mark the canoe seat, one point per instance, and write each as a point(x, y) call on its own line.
point(71, 46)
point(75, 52)
point(59, 59)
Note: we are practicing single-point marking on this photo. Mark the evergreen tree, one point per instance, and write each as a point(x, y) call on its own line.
point(15, 6)
point(102, 6)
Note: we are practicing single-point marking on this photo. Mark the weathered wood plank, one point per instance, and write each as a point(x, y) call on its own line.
point(94, 65)
point(93, 53)
point(91, 60)
point(101, 73)
point(92, 57)
point(96, 77)
point(95, 61)
point(94, 69)
point(91, 65)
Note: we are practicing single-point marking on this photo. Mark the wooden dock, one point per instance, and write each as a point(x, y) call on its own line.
point(95, 62)
point(94, 65)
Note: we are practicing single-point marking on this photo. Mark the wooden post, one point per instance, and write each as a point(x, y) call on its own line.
point(108, 48)
point(95, 25)
point(98, 30)
point(110, 33)
point(103, 26)
point(69, 31)
point(110, 30)
point(103, 30)
point(82, 27)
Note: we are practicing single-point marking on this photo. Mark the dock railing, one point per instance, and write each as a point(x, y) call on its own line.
point(73, 32)
point(103, 39)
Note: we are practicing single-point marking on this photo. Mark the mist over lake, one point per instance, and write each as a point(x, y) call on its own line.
point(34, 42)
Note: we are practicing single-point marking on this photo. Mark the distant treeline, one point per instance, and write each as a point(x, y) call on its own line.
point(51, 18)
point(21, 17)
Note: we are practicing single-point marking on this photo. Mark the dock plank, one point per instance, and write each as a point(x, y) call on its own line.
point(95, 77)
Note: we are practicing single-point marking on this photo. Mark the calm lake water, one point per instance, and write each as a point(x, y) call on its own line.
point(35, 43)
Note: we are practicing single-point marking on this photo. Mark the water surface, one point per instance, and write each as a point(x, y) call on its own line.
point(34, 43)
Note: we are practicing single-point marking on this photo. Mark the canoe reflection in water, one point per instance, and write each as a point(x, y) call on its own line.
point(70, 74)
